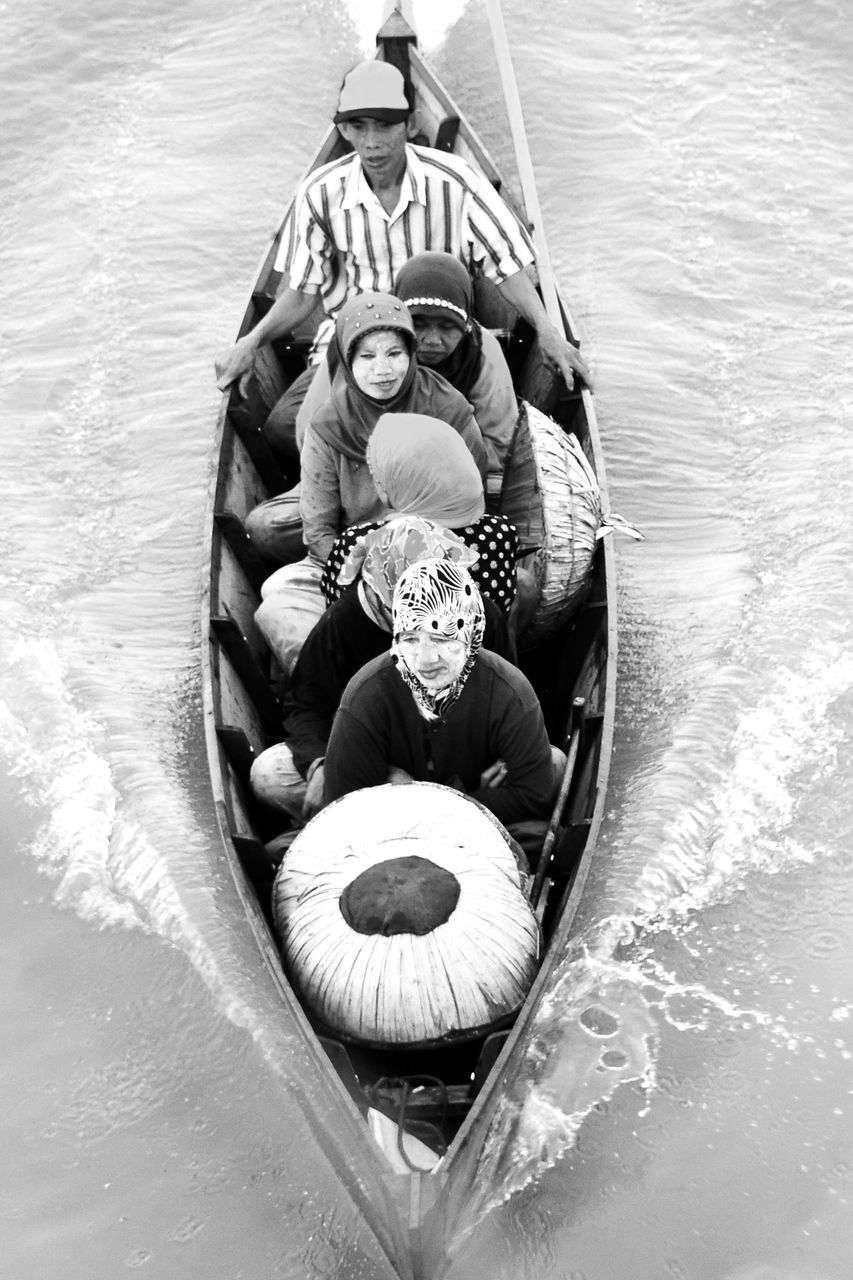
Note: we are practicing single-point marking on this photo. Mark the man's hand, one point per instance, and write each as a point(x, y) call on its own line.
point(560, 353)
point(495, 775)
point(237, 362)
point(289, 310)
point(314, 796)
point(519, 292)
point(398, 777)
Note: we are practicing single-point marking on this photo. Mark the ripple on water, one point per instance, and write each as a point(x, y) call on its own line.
point(825, 943)
point(599, 1021)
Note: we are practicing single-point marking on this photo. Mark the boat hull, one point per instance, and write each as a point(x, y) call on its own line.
point(573, 672)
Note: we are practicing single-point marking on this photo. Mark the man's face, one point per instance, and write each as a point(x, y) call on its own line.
point(381, 148)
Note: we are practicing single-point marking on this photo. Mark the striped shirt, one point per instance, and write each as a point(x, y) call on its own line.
point(342, 242)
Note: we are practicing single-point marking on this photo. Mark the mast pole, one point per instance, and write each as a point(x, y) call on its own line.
point(524, 161)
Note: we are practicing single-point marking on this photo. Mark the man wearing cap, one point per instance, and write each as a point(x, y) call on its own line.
point(358, 219)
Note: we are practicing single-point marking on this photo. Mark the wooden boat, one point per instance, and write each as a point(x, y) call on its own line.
point(573, 672)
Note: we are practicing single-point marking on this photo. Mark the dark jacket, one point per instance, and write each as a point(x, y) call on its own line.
point(341, 642)
point(496, 717)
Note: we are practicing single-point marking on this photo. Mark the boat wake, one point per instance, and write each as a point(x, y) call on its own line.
point(433, 19)
point(119, 831)
point(113, 833)
point(720, 808)
point(50, 747)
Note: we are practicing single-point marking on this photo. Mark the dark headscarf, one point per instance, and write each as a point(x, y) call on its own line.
point(346, 420)
point(437, 284)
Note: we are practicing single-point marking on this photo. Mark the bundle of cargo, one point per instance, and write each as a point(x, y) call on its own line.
point(551, 495)
point(403, 917)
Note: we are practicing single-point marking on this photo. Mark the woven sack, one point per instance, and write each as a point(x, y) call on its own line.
point(403, 918)
point(551, 495)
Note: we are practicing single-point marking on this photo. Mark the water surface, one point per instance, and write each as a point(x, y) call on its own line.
point(686, 1114)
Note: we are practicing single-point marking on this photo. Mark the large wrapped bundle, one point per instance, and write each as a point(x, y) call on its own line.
point(551, 495)
point(402, 917)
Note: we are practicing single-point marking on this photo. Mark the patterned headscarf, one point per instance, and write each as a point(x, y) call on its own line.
point(366, 313)
point(438, 597)
point(382, 555)
point(346, 420)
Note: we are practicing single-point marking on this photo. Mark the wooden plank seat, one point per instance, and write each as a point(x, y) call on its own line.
point(448, 132)
point(243, 418)
point(231, 638)
point(258, 864)
point(238, 748)
point(248, 557)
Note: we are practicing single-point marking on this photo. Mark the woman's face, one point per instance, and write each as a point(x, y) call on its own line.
point(436, 660)
point(380, 362)
point(437, 338)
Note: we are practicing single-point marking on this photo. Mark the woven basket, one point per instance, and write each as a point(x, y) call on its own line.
point(551, 495)
point(406, 989)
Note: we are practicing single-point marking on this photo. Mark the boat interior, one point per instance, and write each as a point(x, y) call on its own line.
point(427, 1090)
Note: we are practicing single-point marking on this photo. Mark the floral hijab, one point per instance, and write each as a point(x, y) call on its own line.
point(440, 598)
point(380, 557)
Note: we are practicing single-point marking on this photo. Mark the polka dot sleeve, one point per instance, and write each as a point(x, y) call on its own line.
point(341, 548)
point(492, 536)
point(496, 542)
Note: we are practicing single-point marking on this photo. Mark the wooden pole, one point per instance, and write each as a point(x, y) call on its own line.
point(573, 744)
point(523, 161)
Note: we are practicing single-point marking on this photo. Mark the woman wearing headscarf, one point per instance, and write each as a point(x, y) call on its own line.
point(355, 629)
point(421, 467)
point(377, 373)
point(439, 295)
point(375, 369)
point(440, 708)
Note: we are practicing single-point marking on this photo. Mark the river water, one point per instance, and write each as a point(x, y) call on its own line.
point(686, 1114)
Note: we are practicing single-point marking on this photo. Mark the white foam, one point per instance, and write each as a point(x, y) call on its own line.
point(735, 817)
point(129, 854)
point(433, 19)
point(105, 865)
point(740, 821)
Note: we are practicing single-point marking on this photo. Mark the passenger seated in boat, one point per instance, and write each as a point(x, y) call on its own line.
point(425, 470)
point(439, 708)
point(355, 629)
point(439, 294)
point(383, 203)
point(377, 372)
